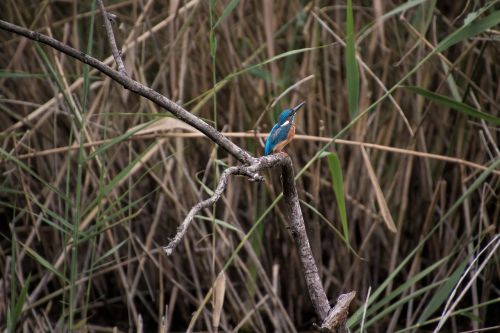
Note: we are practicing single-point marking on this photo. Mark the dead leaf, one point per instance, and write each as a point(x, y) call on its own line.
point(384, 209)
point(164, 124)
point(218, 298)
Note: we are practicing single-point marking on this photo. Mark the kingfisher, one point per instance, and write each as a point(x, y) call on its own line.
point(283, 132)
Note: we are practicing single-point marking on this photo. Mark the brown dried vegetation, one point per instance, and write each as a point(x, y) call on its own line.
point(82, 226)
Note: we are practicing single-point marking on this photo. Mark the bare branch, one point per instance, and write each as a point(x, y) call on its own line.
point(181, 231)
point(112, 42)
point(298, 229)
point(137, 87)
point(337, 317)
point(251, 171)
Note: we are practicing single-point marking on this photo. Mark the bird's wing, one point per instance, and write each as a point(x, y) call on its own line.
point(270, 140)
point(278, 134)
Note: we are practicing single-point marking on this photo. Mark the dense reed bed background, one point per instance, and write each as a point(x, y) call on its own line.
point(89, 194)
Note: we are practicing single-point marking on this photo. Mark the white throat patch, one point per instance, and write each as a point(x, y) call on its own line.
point(285, 123)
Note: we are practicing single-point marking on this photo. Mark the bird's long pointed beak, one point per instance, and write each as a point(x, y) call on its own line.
point(297, 108)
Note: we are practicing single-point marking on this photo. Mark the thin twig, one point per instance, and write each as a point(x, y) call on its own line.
point(112, 42)
point(181, 231)
point(251, 171)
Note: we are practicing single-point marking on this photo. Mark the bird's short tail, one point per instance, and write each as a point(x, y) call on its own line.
point(268, 149)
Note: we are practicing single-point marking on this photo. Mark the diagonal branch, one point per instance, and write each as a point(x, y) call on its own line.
point(137, 87)
point(111, 36)
point(332, 319)
point(298, 229)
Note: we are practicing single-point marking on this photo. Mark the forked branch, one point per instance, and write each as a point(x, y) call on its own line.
point(181, 231)
point(332, 318)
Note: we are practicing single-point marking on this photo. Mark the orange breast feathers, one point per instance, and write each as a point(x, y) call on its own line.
point(291, 133)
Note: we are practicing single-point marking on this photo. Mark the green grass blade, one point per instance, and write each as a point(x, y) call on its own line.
point(9, 157)
point(14, 313)
point(376, 308)
point(207, 95)
point(322, 217)
point(110, 144)
point(114, 211)
point(455, 105)
point(22, 298)
point(44, 211)
point(58, 80)
point(4, 74)
point(470, 29)
point(393, 12)
point(56, 226)
point(352, 70)
point(338, 188)
point(11, 322)
point(330, 224)
point(221, 223)
point(110, 251)
point(442, 293)
point(64, 225)
point(228, 10)
point(82, 162)
point(118, 178)
point(43, 262)
point(213, 44)
point(401, 302)
point(100, 229)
